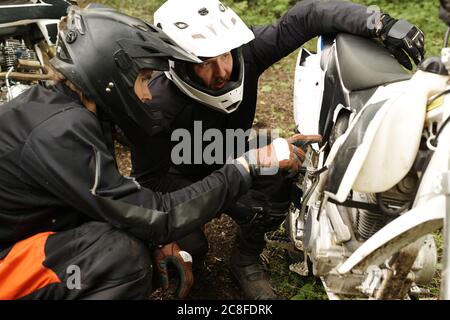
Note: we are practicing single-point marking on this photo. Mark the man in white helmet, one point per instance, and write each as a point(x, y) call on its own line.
point(221, 92)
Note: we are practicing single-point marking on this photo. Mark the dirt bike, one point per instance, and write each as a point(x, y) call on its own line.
point(28, 31)
point(377, 187)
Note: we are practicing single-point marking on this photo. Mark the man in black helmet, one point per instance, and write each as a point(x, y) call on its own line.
point(220, 93)
point(70, 225)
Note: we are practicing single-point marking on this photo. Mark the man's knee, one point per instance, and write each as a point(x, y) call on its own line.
point(121, 248)
point(109, 260)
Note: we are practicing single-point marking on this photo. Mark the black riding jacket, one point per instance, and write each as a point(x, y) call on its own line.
point(301, 23)
point(56, 172)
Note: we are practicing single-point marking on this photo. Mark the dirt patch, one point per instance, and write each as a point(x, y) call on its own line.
point(274, 105)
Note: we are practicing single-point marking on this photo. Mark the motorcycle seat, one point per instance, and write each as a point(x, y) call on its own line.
point(13, 12)
point(364, 63)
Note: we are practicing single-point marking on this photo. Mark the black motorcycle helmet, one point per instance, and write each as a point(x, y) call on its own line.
point(101, 51)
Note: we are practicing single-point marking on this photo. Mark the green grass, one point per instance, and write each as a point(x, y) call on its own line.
point(290, 284)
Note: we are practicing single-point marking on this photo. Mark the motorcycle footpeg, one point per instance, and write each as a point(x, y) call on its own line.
point(277, 240)
point(301, 268)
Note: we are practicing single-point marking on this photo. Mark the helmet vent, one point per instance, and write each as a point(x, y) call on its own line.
point(181, 25)
point(198, 36)
point(141, 36)
point(141, 27)
point(233, 106)
point(122, 60)
point(211, 28)
point(223, 23)
point(203, 11)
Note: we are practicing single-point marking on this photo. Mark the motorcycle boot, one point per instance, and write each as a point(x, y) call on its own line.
point(255, 215)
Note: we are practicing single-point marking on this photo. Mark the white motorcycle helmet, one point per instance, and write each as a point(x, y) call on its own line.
point(207, 29)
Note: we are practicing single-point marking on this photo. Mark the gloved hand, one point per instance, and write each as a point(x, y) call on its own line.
point(170, 255)
point(402, 39)
point(280, 154)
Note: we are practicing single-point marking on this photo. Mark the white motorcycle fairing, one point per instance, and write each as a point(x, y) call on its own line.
point(308, 92)
point(343, 74)
point(381, 143)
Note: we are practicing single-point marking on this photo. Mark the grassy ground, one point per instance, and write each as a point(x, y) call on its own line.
point(274, 110)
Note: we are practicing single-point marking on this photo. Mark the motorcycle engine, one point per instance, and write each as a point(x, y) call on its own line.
point(391, 202)
point(19, 68)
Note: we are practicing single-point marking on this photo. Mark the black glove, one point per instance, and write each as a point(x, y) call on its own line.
point(170, 255)
point(402, 39)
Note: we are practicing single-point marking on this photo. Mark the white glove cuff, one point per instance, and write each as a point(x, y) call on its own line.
point(281, 147)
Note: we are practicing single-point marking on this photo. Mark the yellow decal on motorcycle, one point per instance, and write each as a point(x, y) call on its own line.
point(435, 104)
